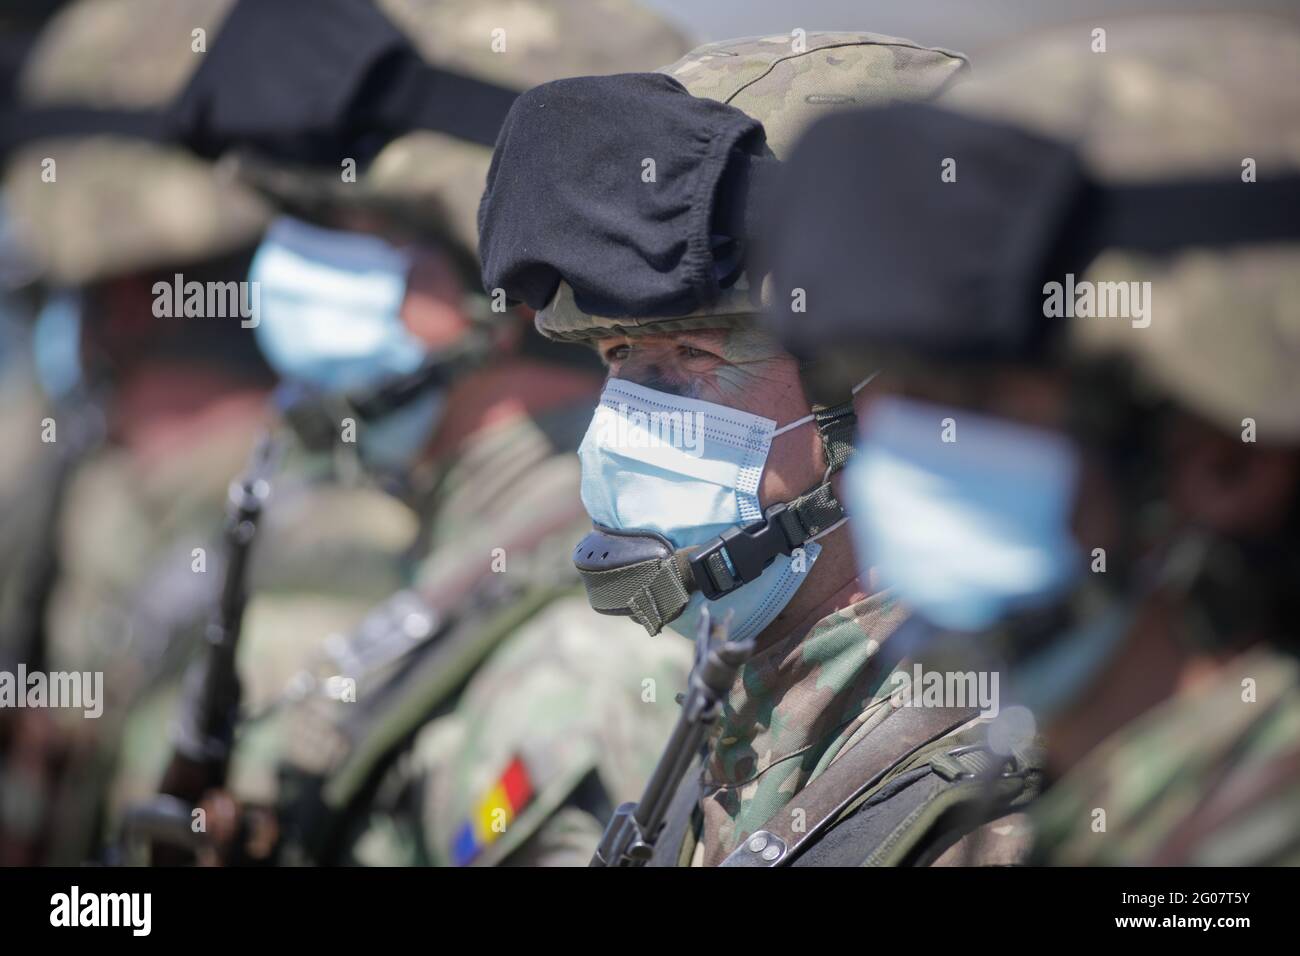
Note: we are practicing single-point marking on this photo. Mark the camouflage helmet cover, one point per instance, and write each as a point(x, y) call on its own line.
point(1179, 97)
point(116, 205)
point(786, 82)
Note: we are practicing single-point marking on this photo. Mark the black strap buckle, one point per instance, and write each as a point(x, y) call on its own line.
point(749, 550)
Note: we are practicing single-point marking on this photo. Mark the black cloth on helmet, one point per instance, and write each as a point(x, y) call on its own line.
point(886, 250)
point(348, 74)
point(571, 195)
point(889, 252)
point(346, 83)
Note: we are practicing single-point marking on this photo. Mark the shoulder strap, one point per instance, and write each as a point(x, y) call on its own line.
point(903, 731)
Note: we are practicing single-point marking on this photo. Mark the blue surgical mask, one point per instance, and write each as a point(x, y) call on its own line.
point(394, 441)
point(328, 312)
point(56, 343)
point(966, 531)
point(328, 307)
point(687, 470)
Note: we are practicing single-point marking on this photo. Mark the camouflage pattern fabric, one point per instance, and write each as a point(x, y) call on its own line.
point(20, 427)
point(1177, 789)
point(129, 593)
point(800, 705)
point(516, 475)
point(326, 552)
point(501, 527)
point(787, 82)
point(796, 706)
point(572, 694)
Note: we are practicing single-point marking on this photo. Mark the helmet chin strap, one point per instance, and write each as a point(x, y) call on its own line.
point(639, 574)
point(314, 415)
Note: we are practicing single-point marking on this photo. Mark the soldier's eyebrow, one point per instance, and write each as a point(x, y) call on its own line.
point(743, 344)
point(711, 340)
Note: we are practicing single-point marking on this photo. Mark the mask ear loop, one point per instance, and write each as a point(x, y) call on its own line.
point(793, 425)
point(812, 416)
point(844, 412)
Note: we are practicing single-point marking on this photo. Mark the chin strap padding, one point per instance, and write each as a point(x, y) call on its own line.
point(637, 575)
point(837, 425)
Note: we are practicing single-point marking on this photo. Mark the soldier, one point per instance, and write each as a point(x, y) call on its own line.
point(1114, 526)
point(745, 521)
point(26, 520)
point(366, 287)
point(107, 219)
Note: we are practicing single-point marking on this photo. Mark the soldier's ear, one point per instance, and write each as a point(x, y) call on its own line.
point(1231, 486)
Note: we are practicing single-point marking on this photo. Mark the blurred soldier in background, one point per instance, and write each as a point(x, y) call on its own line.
point(178, 398)
point(1112, 524)
point(648, 263)
point(1190, 727)
point(26, 530)
point(368, 291)
point(20, 22)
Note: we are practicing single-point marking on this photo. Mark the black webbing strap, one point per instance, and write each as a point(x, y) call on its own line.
point(901, 733)
point(739, 555)
point(811, 513)
point(1166, 216)
point(348, 77)
point(424, 97)
point(420, 96)
point(18, 128)
point(837, 426)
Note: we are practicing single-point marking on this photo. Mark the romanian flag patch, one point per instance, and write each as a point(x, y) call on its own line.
point(493, 813)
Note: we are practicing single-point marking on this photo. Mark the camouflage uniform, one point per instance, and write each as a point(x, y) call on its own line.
point(1177, 789)
point(1210, 775)
point(327, 550)
point(803, 704)
point(25, 506)
point(496, 587)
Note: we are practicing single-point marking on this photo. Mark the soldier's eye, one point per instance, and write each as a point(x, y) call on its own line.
point(617, 353)
point(691, 352)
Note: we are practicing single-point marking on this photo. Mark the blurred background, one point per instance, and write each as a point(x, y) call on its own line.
point(973, 28)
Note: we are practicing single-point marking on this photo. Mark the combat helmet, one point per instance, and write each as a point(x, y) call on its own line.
point(786, 82)
point(96, 206)
point(432, 180)
point(1205, 98)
